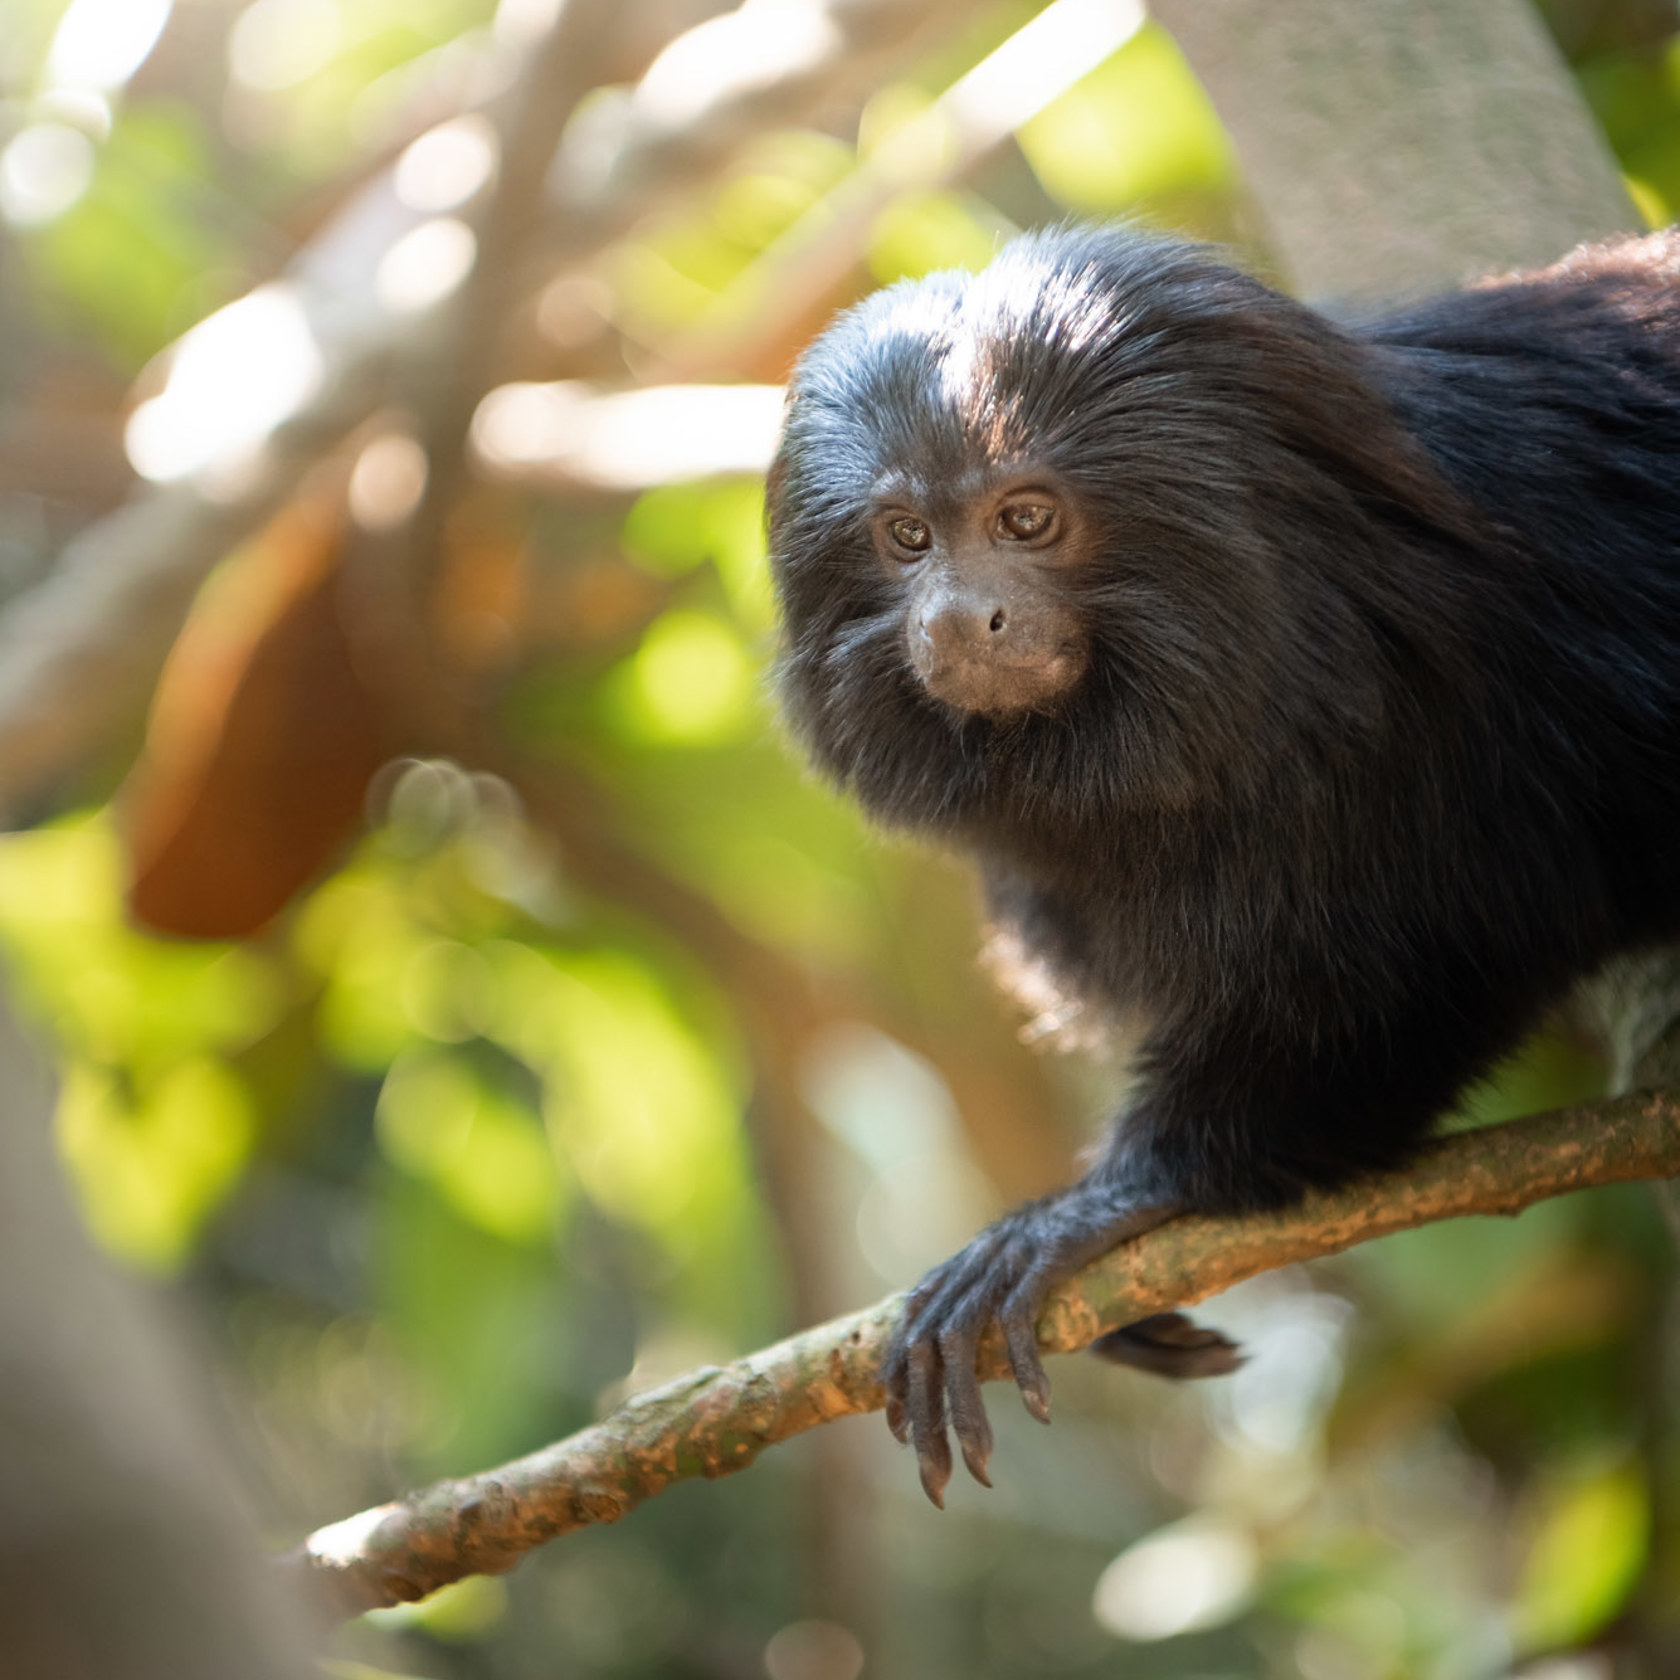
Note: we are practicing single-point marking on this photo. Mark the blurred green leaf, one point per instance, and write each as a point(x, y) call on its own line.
point(462, 1611)
point(360, 931)
point(1136, 128)
point(1593, 1530)
point(154, 1127)
point(132, 259)
point(151, 1165)
point(112, 994)
point(690, 682)
point(480, 1321)
point(678, 527)
point(375, 67)
point(1636, 97)
point(441, 1118)
point(637, 1102)
point(922, 232)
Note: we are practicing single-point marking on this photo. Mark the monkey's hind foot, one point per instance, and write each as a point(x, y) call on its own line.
point(1005, 1274)
point(1170, 1345)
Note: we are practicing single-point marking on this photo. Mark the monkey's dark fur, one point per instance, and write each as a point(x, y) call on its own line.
point(1375, 745)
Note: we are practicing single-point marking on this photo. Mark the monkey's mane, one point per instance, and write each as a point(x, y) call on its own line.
point(1263, 529)
point(1334, 574)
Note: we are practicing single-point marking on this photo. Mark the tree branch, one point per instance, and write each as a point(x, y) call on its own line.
point(80, 652)
point(1461, 146)
point(716, 1421)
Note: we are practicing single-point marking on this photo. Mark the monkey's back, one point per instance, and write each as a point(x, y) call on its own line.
point(1551, 402)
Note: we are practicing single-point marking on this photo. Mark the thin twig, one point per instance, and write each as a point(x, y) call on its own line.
point(716, 1421)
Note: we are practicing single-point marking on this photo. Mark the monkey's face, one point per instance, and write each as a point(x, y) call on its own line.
point(975, 561)
point(1071, 535)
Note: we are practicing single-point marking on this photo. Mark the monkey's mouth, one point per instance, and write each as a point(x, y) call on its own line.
point(997, 687)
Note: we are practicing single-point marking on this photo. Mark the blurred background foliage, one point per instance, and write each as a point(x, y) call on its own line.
point(514, 1090)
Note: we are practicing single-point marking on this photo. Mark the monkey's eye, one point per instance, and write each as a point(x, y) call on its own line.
point(912, 535)
point(1023, 521)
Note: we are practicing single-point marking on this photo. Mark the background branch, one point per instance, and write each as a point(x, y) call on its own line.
point(1477, 157)
point(81, 651)
point(716, 1421)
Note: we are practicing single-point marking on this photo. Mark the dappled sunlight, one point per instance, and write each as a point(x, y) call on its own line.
point(921, 1194)
point(227, 384)
point(690, 681)
point(101, 43)
point(276, 44)
point(44, 169)
point(758, 43)
point(1136, 127)
point(638, 1105)
point(447, 164)
point(425, 265)
point(813, 1650)
point(151, 1169)
point(387, 481)
point(153, 1124)
point(1590, 1533)
point(1041, 61)
point(440, 1118)
point(628, 440)
point(1194, 1574)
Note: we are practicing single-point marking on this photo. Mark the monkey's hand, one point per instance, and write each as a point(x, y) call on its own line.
point(1005, 1273)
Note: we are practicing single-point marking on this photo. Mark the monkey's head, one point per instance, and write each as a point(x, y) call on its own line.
point(984, 630)
point(1072, 534)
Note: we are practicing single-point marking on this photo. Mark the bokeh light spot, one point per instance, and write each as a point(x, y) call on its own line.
point(44, 169)
point(426, 265)
point(232, 379)
point(99, 44)
point(278, 43)
point(387, 482)
point(1193, 1574)
point(813, 1651)
point(690, 680)
point(447, 164)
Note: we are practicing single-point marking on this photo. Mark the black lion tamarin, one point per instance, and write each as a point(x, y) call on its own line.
point(1308, 695)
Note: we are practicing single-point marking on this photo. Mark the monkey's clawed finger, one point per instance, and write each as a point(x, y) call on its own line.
point(1020, 1331)
point(973, 1429)
point(926, 1404)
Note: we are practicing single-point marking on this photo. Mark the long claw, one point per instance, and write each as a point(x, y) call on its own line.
point(895, 1379)
point(927, 1423)
point(977, 1458)
point(1035, 1396)
point(958, 1347)
point(1020, 1335)
point(898, 1420)
point(968, 1410)
point(934, 1472)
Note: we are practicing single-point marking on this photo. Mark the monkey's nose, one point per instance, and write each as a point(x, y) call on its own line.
point(983, 656)
point(960, 632)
